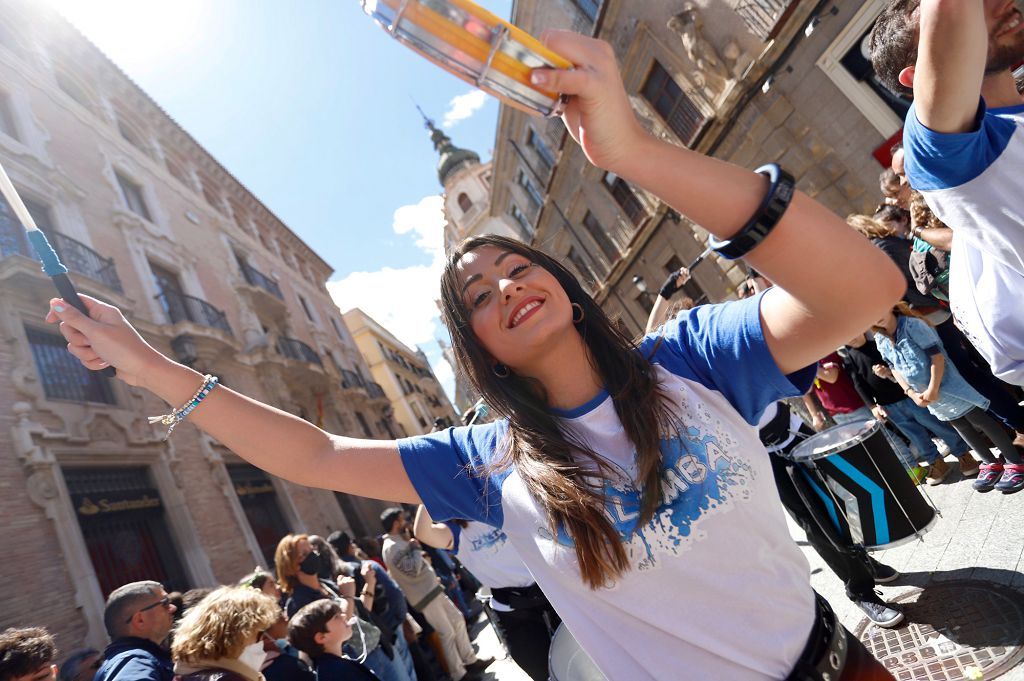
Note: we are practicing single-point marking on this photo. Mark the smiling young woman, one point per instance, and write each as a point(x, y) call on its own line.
point(629, 477)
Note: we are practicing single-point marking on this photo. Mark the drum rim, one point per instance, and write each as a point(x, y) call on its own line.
point(910, 537)
point(796, 454)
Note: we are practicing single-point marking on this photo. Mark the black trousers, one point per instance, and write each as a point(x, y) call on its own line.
point(527, 633)
point(850, 564)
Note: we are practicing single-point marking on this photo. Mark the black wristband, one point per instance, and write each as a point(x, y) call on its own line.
point(768, 214)
point(669, 288)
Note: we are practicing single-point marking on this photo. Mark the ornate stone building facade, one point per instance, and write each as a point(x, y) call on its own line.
point(416, 396)
point(92, 495)
point(749, 81)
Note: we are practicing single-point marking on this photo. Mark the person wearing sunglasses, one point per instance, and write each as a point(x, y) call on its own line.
point(138, 617)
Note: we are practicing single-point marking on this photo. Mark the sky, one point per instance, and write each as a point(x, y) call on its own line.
point(311, 106)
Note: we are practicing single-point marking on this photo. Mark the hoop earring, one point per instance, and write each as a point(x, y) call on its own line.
point(576, 307)
point(500, 370)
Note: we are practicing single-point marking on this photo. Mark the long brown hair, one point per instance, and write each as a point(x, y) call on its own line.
point(286, 561)
point(557, 469)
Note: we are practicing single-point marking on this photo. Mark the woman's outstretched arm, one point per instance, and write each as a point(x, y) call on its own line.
point(269, 438)
point(834, 282)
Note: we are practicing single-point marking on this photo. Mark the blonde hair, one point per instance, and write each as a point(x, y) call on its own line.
point(223, 624)
point(870, 227)
point(286, 561)
point(921, 216)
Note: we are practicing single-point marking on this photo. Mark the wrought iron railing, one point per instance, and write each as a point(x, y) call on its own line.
point(350, 379)
point(62, 376)
point(81, 259)
point(374, 390)
point(260, 280)
point(762, 16)
point(182, 308)
point(293, 348)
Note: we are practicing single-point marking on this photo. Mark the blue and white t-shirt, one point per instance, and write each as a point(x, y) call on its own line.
point(486, 551)
point(718, 536)
point(973, 181)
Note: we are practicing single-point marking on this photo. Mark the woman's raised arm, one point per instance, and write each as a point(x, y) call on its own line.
point(268, 438)
point(834, 282)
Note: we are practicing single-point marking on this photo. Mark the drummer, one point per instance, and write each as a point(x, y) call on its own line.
point(523, 614)
point(629, 479)
point(781, 430)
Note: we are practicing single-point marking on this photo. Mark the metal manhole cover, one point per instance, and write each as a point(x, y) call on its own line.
point(950, 627)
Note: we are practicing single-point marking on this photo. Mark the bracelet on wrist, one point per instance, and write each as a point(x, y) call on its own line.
point(772, 208)
point(178, 415)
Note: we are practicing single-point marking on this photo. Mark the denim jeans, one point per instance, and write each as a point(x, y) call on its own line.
point(387, 669)
point(898, 445)
point(920, 426)
point(403, 658)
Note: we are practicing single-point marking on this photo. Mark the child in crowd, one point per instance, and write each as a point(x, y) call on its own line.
point(320, 629)
point(919, 364)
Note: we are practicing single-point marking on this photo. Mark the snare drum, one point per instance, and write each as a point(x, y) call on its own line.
point(567, 661)
point(863, 486)
point(473, 44)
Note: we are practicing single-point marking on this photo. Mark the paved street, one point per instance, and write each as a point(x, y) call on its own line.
point(978, 536)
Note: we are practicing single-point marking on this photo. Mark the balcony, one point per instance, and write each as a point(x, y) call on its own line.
point(182, 308)
point(763, 17)
point(263, 293)
point(350, 380)
point(256, 278)
point(81, 259)
point(296, 349)
point(375, 391)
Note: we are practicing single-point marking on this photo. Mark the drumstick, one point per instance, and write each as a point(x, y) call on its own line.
point(699, 259)
point(52, 265)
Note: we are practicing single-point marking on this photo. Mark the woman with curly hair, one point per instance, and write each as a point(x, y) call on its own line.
point(220, 638)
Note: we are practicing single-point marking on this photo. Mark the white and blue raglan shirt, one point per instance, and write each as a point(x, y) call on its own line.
point(974, 182)
point(486, 552)
point(716, 587)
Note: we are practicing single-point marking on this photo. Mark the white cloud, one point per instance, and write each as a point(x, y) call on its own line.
point(462, 107)
point(403, 299)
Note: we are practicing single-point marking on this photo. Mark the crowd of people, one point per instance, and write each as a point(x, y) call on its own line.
point(331, 613)
point(630, 477)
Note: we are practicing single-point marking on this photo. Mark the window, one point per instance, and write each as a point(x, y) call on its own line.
point(519, 217)
point(363, 424)
point(73, 89)
point(534, 141)
point(306, 308)
point(40, 214)
point(258, 497)
point(672, 104)
point(582, 268)
point(673, 265)
point(12, 234)
point(762, 16)
point(597, 231)
point(337, 328)
point(210, 194)
point(536, 199)
point(589, 8)
point(465, 203)
point(7, 125)
point(132, 193)
point(625, 197)
point(131, 135)
point(61, 374)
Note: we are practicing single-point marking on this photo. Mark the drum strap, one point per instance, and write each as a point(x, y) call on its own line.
point(520, 598)
point(776, 431)
point(824, 655)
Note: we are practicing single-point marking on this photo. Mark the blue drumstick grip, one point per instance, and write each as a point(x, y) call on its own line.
point(51, 263)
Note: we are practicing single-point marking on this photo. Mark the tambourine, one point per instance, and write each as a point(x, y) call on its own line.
point(473, 44)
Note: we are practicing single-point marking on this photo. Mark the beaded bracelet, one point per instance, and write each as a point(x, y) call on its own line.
point(179, 415)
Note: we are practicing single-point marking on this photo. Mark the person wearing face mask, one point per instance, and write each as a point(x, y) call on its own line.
point(221, 638)
point(298, 572)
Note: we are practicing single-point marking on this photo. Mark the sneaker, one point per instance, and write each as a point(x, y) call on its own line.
point(883, 573)
point(988, 475)
point(1012, 479)
point(937, 472)
point(917, 474)
point(879, 612)
point(479, 665)
point(968, 465)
